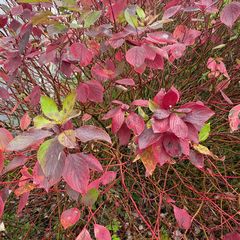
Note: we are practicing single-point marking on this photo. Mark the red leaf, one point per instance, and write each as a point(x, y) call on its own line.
point(69, 217)
point(95, 91)
point(171, 98)
point(1, 207)
point(117, 120)
point(3, 20)
point(171, 11)
point(147, 138)
point(76, 173)
point(160, 154)
point(1, 161)
point(124, 134)
point(4, 93)
point(178, 126)
point(5, 138)
point(161, 37)
point(25, 121)
point(107, 177)
point(230, 13)
point(84, 235)
point(101, 233)
point(196, 159)
point(157, 63)
point(232, 236)
point(234, 119)
point(160, 126)
point(136, 56)
point(184, 220)
point(126, 82)
point(82, 92)
point(22, 202)
point(89, 132)
point(80, 53)
point(135, 123)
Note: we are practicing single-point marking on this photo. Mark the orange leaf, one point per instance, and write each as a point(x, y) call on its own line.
point(148, 160)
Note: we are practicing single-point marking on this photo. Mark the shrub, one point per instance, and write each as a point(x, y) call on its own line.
point(114, 119)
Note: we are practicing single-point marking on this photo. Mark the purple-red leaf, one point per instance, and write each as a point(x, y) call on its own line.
point(147, 138)
point(172, 145)
point(234, 118)
point(171, 11)
point(184, 220)
point(135, 123)
point(91, 161)
point(117, 120)
point(27, 139)
point(230, 13)
point(4, 93)
point(196, 159)
point(178, 126)
point(126, 82)
point(101, 233)
point(69, 217)
point(16, 162)
point(76, 173)
point(124, 134)
point(89, 132)
point(136, 56)
point(1, 207)
point(22, 202)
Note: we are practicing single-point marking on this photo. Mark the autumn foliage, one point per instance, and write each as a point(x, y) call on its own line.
point(120, 104)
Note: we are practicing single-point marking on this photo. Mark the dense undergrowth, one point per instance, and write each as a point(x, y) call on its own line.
point(119, 119)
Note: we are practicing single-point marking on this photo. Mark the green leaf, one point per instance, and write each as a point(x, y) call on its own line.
point(49, 108)
point(152, 105)
point(140, 13)
point(90, 197)
point(204, 132)
point(41, 122)
point(131, 19)
point(42, 151)
point(91, 18)
point(34, 1)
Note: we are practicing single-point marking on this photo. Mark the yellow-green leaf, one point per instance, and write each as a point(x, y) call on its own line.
point(90, 197)
point(42, 152)
point(91, 18)
point(34, 1)
point(205, 151)
point(140, 12)
point(142, 114)
point(68, 104)
point(49, 108)
point(131, 19)
point(42, 122)
point(42, 18)
point(67, 138)
point(204, 132)
point(152, 105)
